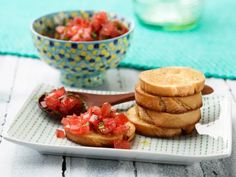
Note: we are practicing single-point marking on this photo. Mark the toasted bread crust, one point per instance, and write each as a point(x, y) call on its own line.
point(146, 129)
point(172, 81)
point(189, 129)
point(99, 140)
point(167, 120)
point(167, 104)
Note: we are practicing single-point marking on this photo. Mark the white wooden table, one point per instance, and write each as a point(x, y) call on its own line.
point(18, 77)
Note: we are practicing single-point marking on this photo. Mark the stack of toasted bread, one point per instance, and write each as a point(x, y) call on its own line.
point(168, 101)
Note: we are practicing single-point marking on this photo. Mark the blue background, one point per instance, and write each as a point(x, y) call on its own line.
point(211, 47)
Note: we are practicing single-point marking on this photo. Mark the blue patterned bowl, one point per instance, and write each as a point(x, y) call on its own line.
point(82, 64)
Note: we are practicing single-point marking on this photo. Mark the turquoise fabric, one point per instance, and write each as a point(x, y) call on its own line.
point(211, 47)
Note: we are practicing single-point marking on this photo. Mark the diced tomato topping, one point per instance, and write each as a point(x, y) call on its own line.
point(122, 144)
point(85, 129)
point(80, 130)
point(122, 129)
point(58, 100)
point(107, 29)
point(121, 119)
point(98, 20)
point(94, 120)
point(113, 112)
point(60, 29)
point(104, 120)
point(60, 133)
point(119, 29)
point(106, 109)
point(74, 120)
point(103, 129)
point(99, 27)
point(86, 116)
point(64, 121)
point(96, 110)
point(67, 104)
point(43, 104)
point(110, 123)
point(107, 125)
point(76, 124)
point(52, 102)
point(59, 92)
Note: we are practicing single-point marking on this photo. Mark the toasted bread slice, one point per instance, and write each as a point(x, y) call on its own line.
point(167, 104)
point(146, 129)
point(167, 120)
point(100, 140)
point(172, 81)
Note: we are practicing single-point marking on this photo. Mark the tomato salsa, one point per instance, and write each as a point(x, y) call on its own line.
point(98, 27)
point(103, 120)
point(63, 102)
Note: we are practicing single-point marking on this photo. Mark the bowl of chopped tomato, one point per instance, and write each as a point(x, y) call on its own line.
point(82, 45)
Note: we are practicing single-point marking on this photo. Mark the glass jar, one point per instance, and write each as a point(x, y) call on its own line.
point(169, 14)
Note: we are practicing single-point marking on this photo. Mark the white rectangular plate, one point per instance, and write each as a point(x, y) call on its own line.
point(212, 139)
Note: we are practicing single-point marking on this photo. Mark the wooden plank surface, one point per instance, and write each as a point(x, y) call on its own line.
point(6, 89)
point(20, 76)
point(16, 160)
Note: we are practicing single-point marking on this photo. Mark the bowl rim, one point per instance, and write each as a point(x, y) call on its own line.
point(131, 29)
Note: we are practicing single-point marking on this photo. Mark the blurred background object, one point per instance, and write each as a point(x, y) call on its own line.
point(169, 14)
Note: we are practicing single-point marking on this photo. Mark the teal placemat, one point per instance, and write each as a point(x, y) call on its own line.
point(211, 47)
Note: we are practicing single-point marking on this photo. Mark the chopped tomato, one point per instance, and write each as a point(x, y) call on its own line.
point(122, 129)
point(60, 133)
point(52, 102)
point(113, 113)
point(86, 116)
point(67, 104)
point(82, 22)
point(80, 129)
point(43, 103)
point(103, 129)
point(112, 29)
point(98, 27)
point(98, 20)
point(107, 29)
point(122, 144)
point(76, 37)
point(121, 119)
point(106, 109)
point(104, 120)
point(59, 92)
point(70, 31)
point(94, 121)
point(96, 110)
point(76, 124)
point(78, 21)
point(107, 125)
point(60, 29)
point(64, 121)
point(75, 120)
point(86, 34)
point(119, 29)
point(110, 123)
point(85, 129)
point(61, 101)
